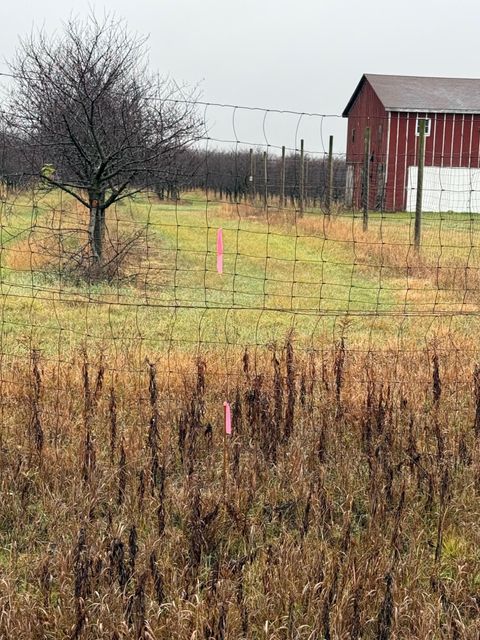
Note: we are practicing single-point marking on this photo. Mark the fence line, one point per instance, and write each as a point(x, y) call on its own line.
point(296, 256)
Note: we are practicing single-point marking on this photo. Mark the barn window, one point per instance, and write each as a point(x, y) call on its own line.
point(427, 126)
point(380, 132)
point(353, 136)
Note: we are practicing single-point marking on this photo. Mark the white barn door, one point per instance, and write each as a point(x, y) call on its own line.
point(445, 189)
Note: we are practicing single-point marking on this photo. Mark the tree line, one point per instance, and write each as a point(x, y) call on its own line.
point(226, 175)
point(240, 175)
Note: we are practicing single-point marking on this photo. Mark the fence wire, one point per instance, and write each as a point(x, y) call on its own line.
point(259, 385)
point(295, 259)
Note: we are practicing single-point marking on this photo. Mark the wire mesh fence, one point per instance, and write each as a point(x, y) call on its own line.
point(234, 373)
point(294, 256)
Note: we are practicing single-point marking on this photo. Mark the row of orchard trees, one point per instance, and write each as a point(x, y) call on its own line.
point(255, 176)
point(289, 179)
point(15, 170)
point(250, 175)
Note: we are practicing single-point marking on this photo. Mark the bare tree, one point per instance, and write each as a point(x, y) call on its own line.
point(99, 125)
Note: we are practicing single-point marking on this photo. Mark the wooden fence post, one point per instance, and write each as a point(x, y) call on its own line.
point(366, 178)
point(302, 177)
point(329, 176)
point(305, 184)
point(421, 164)
point(265, 193)
point(250, 186)
point(282, 180)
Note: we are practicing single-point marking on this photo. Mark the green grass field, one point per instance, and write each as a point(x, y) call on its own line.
point(315, 276)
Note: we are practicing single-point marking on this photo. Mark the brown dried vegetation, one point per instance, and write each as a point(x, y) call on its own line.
point(350, 507)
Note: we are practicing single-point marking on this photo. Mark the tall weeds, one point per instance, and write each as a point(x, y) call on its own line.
point(350, 506)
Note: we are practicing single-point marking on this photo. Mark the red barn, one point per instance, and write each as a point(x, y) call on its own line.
point(391, 106)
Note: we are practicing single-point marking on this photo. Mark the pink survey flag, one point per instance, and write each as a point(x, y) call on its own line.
point(219, 251)
point(228, 418)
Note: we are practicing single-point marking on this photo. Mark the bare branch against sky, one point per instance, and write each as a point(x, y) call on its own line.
point(306, 55)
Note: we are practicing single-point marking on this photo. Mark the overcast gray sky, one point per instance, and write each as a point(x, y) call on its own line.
point(303, 55)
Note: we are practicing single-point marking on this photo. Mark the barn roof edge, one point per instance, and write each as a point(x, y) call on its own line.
point(351, 102)
point(417, 94)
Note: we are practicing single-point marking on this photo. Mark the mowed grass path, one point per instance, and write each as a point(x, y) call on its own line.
point(311, 276)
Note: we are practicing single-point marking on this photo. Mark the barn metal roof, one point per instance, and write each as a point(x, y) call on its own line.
point(415, 93)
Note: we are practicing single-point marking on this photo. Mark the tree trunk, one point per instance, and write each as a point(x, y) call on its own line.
point(96, 231)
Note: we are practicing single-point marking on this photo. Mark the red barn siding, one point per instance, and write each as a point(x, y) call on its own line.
point(392, 164)
point(437, 134)
point(467, 141)
point(454, 141)
point(475, 155)
point(367, 111)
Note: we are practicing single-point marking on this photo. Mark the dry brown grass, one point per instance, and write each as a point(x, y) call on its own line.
point(449, 264)
point(350, 511)
point(57, 241)
point(43, 243)
point(443, 276)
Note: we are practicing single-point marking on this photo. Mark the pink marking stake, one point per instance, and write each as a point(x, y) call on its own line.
point(219, 251)
point(228, 418)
